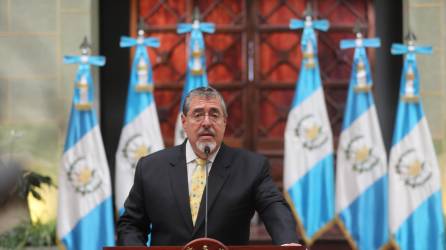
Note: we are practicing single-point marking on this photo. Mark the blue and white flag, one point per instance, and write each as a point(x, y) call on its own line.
point(196, 65)
point(308, 164)
point(85, 209)
point(361, 173)
point(415, 211)
point(141, 134)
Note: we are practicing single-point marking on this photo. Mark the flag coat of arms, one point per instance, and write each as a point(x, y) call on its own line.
point(361, 173)
point(196, 65)
point(85, 209)
point(415, 206)
point(308, 158)
point(141, 134)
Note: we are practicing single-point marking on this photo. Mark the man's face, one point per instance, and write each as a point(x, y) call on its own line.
point(204, 124)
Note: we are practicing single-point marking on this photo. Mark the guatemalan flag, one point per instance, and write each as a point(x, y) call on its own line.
point(85, 210)
point(196, 65)
point(141, 134)
point(308, 163)
point(415, 212)
point(361, 173)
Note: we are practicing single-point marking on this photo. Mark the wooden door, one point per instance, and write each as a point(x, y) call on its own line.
point(254, 60)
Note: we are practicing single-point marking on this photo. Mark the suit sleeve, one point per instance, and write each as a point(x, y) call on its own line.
point(273, 209)
point(133, 225)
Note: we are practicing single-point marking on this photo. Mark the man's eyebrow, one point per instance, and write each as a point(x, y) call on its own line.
point(198, 110)
point(202, 110)
point(214, 110)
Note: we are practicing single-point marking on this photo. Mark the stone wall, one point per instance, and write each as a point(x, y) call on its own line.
point(427, 19)
point(35, 86)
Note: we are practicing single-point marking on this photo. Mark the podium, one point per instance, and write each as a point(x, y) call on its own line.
point(208, 244)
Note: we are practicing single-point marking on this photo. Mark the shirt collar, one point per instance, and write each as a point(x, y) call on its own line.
point(191, 156)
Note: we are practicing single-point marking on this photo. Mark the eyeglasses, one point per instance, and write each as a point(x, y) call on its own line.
point(214, 117)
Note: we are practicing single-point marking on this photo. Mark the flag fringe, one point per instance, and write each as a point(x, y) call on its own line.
point(300, 227)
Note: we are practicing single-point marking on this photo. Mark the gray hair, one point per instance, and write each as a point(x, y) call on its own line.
point(204, 92)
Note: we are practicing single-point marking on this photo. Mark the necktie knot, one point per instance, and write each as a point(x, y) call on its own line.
point(200, 162)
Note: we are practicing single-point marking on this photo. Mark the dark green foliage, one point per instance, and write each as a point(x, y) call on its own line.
point(27, 234)
point(31, 181)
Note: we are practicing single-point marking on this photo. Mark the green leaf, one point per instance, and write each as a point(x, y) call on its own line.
point(36, 194)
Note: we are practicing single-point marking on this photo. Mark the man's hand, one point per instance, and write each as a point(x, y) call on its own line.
point(291, 245)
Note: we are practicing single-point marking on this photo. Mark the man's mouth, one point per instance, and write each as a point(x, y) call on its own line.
point(206, 135)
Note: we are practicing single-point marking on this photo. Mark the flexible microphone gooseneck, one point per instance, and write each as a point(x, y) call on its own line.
point(207, 151)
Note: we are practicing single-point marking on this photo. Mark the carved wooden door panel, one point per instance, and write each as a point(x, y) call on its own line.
point(226, 55)
point(253, 58)
point(277, 61)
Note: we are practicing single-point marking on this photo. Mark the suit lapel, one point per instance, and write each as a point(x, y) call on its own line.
point(217, 177)
point(178, 181)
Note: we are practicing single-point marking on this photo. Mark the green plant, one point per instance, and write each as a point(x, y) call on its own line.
point(28, 234)
point(17, 181)
point(30, 182)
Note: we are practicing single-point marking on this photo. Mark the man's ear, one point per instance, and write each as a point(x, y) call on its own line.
point(183, 119)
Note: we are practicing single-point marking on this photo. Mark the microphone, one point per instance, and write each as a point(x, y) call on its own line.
point(207, 151)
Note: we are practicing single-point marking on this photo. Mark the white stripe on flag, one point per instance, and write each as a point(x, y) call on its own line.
point(144, 131)
point(180, 135)
point(404, 200)
point(298, 159)
point(73, 206)
point(349, 183)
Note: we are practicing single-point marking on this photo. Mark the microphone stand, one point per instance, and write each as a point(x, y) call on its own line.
point(207, 150)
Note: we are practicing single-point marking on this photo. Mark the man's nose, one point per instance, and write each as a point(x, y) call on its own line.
point(206, 120)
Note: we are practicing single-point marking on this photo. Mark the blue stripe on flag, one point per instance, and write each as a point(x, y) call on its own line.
point(358, 104)
point(94, 231)
point(194, 81)
point(121, 211)
point(367, 225)
point(309, 81)
point(310, 193)
point(80, 123)
point(409, 114)
point(137, 102)
point(424, 229)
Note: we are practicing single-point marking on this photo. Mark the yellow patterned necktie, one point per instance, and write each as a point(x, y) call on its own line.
point(197, 187)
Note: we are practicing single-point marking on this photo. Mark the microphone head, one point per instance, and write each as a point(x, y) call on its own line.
point(207, 150)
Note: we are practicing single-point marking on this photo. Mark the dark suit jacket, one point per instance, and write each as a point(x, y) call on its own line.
point(239, 184)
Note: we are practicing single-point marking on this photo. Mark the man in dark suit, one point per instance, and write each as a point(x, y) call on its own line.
point(168, 186)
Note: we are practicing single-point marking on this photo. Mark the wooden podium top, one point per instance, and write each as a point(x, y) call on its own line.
point(208, 244)
point(247, 247)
